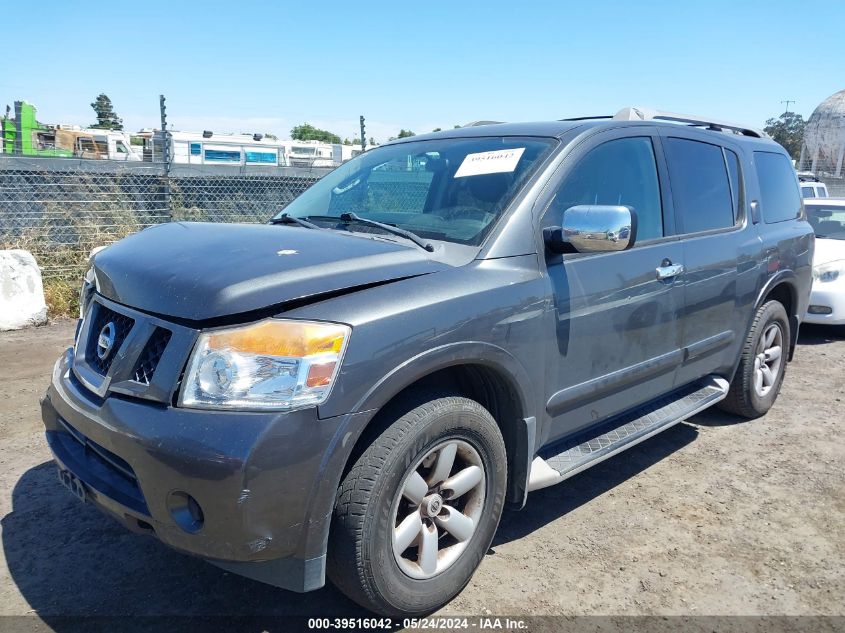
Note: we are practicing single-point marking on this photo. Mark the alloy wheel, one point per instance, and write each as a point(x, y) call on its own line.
point(438, 508)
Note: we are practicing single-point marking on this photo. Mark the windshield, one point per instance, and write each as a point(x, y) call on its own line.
point(446, 189)
point(827, 221)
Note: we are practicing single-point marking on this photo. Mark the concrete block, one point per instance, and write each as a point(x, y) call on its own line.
point(21, 291)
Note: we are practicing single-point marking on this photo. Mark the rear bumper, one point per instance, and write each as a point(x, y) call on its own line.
point(265, 482)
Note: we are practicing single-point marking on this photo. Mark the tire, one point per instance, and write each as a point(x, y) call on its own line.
point(373, 501)
point(745, 397)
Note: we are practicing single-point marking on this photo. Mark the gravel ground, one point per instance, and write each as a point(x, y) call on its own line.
point(714, 516)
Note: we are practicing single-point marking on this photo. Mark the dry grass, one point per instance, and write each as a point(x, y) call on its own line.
point(62, 298)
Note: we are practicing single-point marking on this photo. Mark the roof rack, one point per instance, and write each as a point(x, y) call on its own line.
point(477, 123)
point(649, 114)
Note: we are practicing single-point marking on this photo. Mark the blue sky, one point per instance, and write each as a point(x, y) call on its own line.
point(250, 66)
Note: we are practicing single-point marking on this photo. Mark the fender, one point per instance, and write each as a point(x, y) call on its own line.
point(337, 454)
point(789, 277)
point(450, 355)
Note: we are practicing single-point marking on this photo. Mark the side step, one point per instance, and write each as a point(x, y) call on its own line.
point(561, 461)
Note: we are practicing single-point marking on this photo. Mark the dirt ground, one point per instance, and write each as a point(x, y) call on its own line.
point(712, 517)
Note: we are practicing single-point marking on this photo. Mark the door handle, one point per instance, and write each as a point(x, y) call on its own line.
point(667, 270)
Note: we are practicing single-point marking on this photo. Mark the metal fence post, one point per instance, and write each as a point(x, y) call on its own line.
point(166, 157)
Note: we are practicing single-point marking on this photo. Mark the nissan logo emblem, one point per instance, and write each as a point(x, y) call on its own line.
point(105, 341)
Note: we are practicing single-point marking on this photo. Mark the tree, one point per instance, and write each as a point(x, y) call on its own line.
point(307, 132)
point(107, 118)
point(270, 137)
point(405, 133)
point(372, 141)
point(788, 130)
point(437, 129)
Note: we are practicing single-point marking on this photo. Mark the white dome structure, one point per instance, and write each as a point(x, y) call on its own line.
point(823, 149)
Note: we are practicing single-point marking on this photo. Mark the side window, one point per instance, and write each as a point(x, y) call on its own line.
point(779, 197)
point(737, 186)
point(700, 188)
point(808, 192)
point(620, 172)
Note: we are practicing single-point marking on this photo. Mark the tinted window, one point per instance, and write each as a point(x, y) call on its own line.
point(778, 191)
point(700, 187)
point(621, 172)
point(737, 188)
point(445, 189)
point(827, 221)
point(808, 191)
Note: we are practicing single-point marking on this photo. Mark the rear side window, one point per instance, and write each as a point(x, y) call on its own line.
point(779, 196)
point(620, 172)
point(700, 187)
point(808, 192)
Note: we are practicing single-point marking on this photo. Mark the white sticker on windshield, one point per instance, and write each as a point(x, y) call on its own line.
point(496, 162)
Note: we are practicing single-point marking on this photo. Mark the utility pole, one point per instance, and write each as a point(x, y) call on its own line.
point(363, 137)
point(787, 102)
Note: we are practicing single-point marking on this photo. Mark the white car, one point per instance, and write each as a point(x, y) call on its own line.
point(811, 186)
point(827, 301)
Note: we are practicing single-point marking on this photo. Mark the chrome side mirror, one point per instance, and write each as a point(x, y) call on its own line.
point(593, 228)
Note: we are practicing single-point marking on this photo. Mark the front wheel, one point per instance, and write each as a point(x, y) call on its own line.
point(418, 510)
point(762, 366)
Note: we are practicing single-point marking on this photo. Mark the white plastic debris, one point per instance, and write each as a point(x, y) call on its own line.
point(21, 291)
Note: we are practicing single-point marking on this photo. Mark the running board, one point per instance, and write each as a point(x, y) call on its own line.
point(553, 465)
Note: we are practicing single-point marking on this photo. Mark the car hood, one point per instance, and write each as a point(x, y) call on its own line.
point(200, 271)
point(828, 250)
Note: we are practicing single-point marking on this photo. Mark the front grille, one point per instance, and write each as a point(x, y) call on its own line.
point(101, 316)
point(149, 358)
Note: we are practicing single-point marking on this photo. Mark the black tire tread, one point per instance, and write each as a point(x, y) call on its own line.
point(738, 400)
point(348, 528)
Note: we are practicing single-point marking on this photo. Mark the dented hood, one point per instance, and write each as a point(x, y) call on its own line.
point(201, 271)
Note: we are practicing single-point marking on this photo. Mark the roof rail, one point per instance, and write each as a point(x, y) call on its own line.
point(477, 123)
point(650, 114)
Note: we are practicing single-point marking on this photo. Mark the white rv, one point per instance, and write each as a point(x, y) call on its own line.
point(96, 143)
point(214, 148)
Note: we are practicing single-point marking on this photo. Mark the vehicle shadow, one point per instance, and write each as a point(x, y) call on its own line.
point(68, 560)
point(549, 504)
point(811, 334)
point(79, 570)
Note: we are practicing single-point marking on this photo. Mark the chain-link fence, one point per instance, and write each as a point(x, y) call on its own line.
point(59, 209)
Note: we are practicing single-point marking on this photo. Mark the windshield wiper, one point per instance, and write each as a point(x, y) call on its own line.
point(349, 216)
point(289, 219)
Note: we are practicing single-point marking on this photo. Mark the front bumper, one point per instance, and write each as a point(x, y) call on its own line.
point(265, 482)
point(828, 295)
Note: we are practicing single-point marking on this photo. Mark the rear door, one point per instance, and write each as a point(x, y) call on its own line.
point(721, 252)
point(617, 337)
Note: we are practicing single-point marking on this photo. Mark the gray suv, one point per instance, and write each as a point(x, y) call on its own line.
point(439, 326)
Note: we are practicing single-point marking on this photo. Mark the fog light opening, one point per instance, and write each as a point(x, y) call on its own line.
point(185, 511)
point(145, 526)
point(820, 310)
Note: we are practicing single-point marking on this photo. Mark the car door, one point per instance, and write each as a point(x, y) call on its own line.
point(721, 253)
point(617, 337)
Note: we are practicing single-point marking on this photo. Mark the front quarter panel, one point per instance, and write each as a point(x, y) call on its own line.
point(487, 312)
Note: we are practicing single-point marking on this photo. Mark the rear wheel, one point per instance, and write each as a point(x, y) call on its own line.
point(419, 508)
point(762, 366)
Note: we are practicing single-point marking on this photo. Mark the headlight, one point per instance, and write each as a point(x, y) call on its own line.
point(829, 272)
point(271, 365)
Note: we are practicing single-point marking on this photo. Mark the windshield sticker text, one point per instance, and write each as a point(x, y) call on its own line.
point(496, 162)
